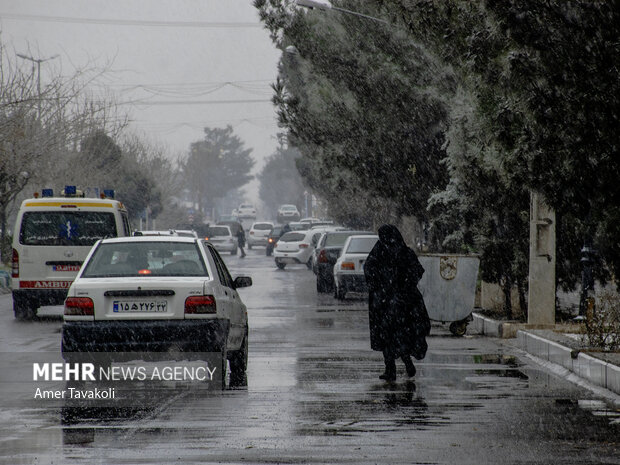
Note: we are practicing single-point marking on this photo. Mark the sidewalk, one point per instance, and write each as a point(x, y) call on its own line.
point(567, 350)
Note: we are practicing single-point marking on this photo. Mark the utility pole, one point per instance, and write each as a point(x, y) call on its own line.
point(38, 61)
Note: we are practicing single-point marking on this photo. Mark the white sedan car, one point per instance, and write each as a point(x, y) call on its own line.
point(258, 233)
point(349, 268)
point(222, 239)
point(157, 294)
point(294, 247)
point(246, 210)
point(287, 213)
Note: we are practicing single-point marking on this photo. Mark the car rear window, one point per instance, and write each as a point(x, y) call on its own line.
point(336, 239)
point(145, 259)
point(292, 237)
point(221, 231)
point(66, 228)
point(262, 226)
point(362, 244)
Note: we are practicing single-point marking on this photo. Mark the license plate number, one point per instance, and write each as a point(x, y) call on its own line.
point(139, 306)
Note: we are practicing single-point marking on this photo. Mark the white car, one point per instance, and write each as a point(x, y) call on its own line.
point(288, 213)
point(222, 239)
point(156, 294)
point(349, 268)
point(246, 210)
point(167, 232)
point(293, 248)
point(258, 233)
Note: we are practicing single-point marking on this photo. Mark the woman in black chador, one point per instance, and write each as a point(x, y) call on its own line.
point(399, 321)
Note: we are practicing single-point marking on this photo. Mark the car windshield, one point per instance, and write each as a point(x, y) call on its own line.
point(145, 259)
point(292, 237)
point(262, 226)
point(362, 244)
point(289, 208)
point(66, 228)
point(219, 231)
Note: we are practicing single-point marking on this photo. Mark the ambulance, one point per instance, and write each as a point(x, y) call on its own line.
point(52, 237)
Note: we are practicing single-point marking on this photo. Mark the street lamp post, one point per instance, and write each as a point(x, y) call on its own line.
point(324, 5)
point(38, 61)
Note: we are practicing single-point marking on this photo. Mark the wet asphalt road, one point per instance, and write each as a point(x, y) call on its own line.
point(314, 396)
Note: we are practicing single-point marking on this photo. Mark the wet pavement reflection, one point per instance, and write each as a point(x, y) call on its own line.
point(313, 395)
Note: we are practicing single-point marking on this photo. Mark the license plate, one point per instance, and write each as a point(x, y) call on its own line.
point(139, 306)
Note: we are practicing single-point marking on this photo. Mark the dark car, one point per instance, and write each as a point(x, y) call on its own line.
point(234, 225)
point(272, 239)
point(328, 250)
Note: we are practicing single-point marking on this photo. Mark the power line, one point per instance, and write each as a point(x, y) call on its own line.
point(192, 102)
point(130, 22)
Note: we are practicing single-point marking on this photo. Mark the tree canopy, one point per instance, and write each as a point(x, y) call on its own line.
point(215, 165)
point(455, 111)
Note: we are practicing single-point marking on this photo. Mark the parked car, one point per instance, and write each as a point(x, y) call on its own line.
point(293, 248)
point(156, 294)
point(246, 210)
point(234, 225)
point(272, 239)
point(298, 226)
point(186, 233)
point(162, 232)
point(328, 250)
point(349, 268)
point(258, 234)
point(222, 238)
point(287, 213)
point(314, 242)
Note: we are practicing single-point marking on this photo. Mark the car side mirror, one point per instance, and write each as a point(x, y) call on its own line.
point(242, 281)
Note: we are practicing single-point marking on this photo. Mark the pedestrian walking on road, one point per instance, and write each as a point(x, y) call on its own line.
point(398, 319)
point(241, 240)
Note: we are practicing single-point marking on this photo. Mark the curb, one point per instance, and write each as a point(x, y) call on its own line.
point(595, 371)
point(494, 328)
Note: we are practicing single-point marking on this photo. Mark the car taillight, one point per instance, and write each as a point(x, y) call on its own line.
point(323, 256)
point(15, 264)
point(79, 306)
point(200, 304)
point(251, 233)
point(303, 246)
point(347, 266)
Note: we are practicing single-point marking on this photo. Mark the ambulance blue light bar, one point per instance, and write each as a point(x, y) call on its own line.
point(109, 193)
point(70, 190)
point(47, 192)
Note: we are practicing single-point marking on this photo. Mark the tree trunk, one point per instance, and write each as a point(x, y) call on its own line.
point(522, 299)
point(507, 288)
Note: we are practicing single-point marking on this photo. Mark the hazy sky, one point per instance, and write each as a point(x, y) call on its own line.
point(180, 65)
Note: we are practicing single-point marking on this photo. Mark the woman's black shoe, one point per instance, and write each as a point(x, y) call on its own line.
point(388, 376)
